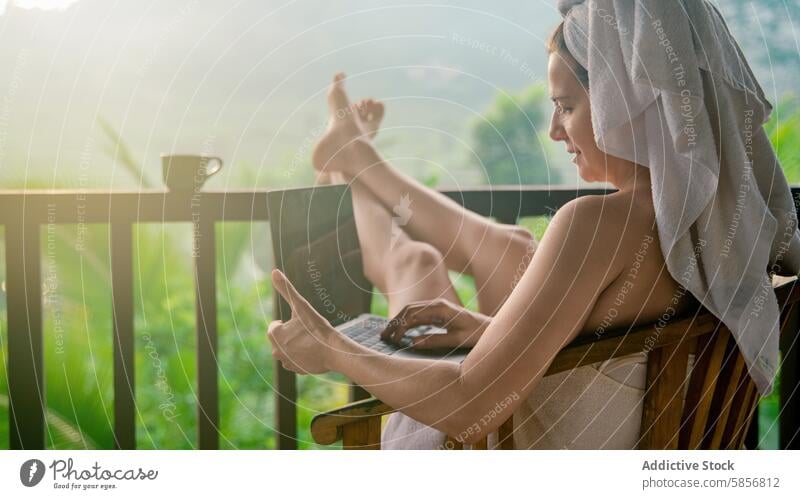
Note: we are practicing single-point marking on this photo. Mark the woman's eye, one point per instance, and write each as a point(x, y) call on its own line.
point(561, 109)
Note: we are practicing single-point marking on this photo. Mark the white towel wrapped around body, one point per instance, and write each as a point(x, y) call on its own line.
point(598, 406)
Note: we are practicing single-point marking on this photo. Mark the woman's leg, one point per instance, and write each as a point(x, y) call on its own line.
point(404, 270)
point(495, 254)
point(468, 243)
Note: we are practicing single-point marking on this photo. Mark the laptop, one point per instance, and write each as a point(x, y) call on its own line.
point(315, 243)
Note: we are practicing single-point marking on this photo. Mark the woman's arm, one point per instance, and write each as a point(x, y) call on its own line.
point(574, 264)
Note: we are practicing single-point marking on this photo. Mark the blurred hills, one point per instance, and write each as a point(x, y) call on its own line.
point(246, 81)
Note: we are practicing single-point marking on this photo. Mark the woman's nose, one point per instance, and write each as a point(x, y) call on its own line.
point(556, 130)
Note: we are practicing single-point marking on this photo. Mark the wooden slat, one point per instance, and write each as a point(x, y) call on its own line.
point(663, 399)
point(451, 443)
point(505, 435)
point(705, 374)
point(204, 256)
point(481, 444)
point(122, 322)
point(285, 407)
point(25, 358)
point(731, 373)
point(741, 409)
point(747, 426)
point(362, 435)
point(285, 391)
point(789, 421)
point(356, 392)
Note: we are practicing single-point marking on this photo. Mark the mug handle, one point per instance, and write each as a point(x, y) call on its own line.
point(215, 170)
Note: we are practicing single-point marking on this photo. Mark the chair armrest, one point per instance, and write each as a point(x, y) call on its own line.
point(327, 427)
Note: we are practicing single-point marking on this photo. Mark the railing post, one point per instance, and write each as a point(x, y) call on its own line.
point(122, 314)
point(285, 390)
point(203, 255)
point(25, 358)
point(789, 419)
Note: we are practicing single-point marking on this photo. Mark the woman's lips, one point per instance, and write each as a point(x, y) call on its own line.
point(575, 158)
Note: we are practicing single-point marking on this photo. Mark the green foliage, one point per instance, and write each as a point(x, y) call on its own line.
point(783, 130)
point(506, 139)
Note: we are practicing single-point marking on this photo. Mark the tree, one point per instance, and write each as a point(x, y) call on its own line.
point(506, 139)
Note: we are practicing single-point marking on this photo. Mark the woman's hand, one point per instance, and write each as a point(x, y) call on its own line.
point(463, 326)
point(302, 344)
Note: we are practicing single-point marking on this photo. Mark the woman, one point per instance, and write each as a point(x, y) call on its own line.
point(598, 266)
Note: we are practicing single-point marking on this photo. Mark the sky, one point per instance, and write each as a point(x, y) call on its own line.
point(246, 79)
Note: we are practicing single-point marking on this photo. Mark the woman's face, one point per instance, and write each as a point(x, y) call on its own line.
point(572, 120)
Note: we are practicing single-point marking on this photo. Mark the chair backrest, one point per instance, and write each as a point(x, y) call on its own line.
point(710, 409)
point(713, 407)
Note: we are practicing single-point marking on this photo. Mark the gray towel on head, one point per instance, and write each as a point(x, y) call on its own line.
point(671, 90)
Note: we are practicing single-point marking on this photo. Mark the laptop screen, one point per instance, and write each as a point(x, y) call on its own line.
point(315, 243)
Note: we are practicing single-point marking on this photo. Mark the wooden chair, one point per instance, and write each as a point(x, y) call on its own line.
point(720, 396)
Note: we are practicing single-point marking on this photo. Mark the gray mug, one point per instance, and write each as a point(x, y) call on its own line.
point(186, 172)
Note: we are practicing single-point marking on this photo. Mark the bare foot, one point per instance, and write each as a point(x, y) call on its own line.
point(340, 147)
point(371, 113)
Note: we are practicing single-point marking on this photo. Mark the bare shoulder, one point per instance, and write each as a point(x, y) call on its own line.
point(602, 227)
point(591, 216)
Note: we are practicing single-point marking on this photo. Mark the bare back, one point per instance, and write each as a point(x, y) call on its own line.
point(645, 291)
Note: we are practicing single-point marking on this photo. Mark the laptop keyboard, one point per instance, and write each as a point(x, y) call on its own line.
point(367, 332)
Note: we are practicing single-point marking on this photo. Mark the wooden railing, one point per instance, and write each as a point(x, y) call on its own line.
point(24, 213)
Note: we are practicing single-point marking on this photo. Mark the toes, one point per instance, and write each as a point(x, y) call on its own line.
point(337, 97)
point(377, 111)
point(371, 110)
point(363, 109)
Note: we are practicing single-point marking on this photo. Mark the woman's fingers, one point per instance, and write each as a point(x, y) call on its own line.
point(417, 314)
point(278, 355)
point(293, 297)
point(400, 323)
point(430, 341)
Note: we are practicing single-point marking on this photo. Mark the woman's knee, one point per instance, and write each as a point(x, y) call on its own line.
point(520, 238)
point(415, 255)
